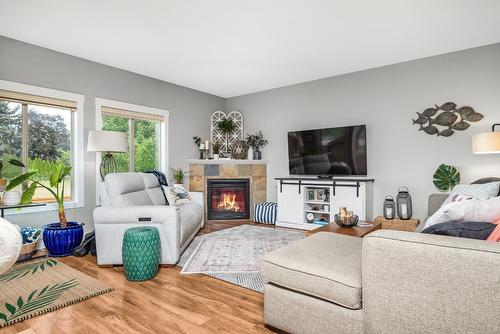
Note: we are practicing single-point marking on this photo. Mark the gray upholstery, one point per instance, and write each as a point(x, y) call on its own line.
point(136, 199)
point(301, 313)
point(325, 265)
point(411, 283)
point(420, 283)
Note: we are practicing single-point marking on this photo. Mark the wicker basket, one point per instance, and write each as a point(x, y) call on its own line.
point(27, 251)
point(398, 224)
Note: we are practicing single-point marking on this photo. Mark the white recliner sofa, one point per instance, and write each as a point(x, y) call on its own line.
point(136, 199)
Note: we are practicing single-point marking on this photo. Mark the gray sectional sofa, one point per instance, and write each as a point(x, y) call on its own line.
point(388, 282)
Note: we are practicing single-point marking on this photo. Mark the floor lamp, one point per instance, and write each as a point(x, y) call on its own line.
point(107, 142)
point(486, 142)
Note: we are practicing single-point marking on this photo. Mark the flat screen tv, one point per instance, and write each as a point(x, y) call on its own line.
point(333, 151)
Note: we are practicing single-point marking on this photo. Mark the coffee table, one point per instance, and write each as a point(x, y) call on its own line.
point(355, 231)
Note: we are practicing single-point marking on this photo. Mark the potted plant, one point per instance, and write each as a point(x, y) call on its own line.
point(197, 142)
point(256, 141)
point(178, 176)
point(3, 167)
point(226, 126)
point(62, 237)
point(216, 149)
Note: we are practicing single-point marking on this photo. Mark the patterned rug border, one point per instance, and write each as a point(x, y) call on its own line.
point(55, 307)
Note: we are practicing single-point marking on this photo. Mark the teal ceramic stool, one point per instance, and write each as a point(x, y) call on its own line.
point(141, 253)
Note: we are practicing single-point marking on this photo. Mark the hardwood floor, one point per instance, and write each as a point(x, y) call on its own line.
point(169, 303)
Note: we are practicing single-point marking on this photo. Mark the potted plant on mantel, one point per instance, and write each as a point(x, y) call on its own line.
point(178, 175)
point(216, 150)
point(226, 126)
point(62, 237)
point(256, 141)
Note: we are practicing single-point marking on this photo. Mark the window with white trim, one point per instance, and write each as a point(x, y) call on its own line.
point(39, 131)
point(144, 133)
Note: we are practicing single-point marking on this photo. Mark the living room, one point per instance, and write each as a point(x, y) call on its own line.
point(249, 167)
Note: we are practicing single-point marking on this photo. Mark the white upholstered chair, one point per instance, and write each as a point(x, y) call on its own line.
point(136, 199)
point(10, 244)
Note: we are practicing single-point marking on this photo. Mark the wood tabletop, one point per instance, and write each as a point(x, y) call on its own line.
point(355, 231)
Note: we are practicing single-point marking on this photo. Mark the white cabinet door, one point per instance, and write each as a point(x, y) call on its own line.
point(347, 197)
point(290, 204)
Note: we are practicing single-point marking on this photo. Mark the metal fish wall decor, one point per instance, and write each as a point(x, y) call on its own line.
point(446, 122)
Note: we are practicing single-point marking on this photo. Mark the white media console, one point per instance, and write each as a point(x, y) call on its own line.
point(321, 199)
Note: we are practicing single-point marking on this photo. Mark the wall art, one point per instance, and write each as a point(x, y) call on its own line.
point(444, 120)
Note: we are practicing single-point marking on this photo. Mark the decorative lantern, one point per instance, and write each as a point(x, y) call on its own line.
point(403, 201)
point(389, 207)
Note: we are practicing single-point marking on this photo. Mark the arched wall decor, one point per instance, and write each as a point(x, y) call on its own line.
point(215, 134)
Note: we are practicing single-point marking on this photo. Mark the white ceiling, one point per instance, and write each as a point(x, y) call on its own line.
point(235, 47)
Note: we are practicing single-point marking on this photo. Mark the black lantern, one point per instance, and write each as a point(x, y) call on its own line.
point(403, 201)
point(389, 207)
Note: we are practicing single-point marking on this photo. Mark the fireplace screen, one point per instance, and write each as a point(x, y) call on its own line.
point(228, 199)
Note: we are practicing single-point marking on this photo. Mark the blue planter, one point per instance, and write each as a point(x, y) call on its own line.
point(61, 241)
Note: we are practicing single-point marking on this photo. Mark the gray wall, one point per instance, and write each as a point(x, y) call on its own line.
point(190, 110)
point(385, 99)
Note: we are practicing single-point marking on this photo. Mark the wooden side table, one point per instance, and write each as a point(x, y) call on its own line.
point(409, 225)
point(354, 231)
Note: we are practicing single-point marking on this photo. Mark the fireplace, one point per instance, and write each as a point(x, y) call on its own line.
point(228, 199)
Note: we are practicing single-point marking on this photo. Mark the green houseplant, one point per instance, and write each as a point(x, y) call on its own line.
point(62, 237)
point(178, 176)
point(256, 141)
point(3, 167)
point(226, 126)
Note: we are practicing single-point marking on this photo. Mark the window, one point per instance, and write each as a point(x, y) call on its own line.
point(146, 133)
point(37, 126)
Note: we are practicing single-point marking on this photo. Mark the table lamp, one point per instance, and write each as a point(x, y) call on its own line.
point(486, 142)
point(107, 142)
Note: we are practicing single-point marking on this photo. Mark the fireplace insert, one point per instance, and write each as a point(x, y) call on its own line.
point(228, 199)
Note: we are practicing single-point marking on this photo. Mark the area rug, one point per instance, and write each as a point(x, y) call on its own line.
point(233, 254)
point(35, 287)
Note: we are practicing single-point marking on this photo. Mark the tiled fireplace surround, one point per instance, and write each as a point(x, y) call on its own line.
point(202, 170)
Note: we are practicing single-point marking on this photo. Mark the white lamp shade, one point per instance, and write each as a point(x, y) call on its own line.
point(486, 143)
point(106, 141)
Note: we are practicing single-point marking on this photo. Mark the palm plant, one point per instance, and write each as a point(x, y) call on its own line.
point(56, 188)
point(226, 126)
point(13, 162)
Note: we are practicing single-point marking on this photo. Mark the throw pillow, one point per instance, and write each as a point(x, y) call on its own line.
point(177, 195)
point(471, 230)
point(485, 190)
point(474, 210)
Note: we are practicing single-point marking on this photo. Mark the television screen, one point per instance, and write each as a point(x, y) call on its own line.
point(333, 151)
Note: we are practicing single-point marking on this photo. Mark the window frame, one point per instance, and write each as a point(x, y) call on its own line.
point(134, 108)
point(77, 142)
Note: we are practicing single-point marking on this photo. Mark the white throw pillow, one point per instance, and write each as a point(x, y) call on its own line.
point(177, 195)
point(473, 210)
point(482, 191)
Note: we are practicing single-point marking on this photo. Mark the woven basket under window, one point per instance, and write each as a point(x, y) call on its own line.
point(27, 251)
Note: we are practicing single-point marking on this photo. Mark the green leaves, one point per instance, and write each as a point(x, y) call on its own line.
point(19, 180)
point(58, 174)
point(446, 177)
point(28, 194)
point(16, 163)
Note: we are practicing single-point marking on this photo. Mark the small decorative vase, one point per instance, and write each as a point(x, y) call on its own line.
point(12, 197)
point(216, 156)
point(257, 155)
point(61, 241)
point(250, 153)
